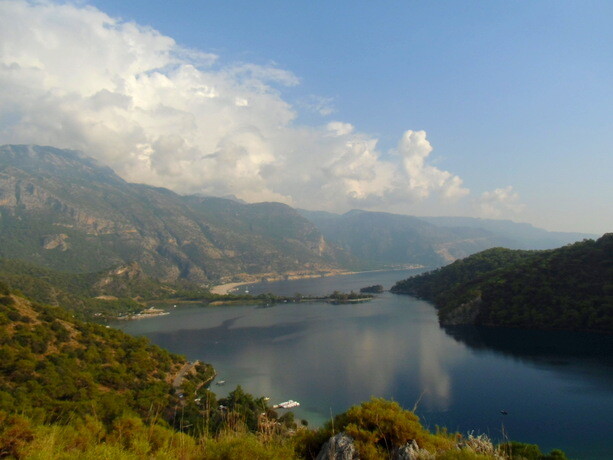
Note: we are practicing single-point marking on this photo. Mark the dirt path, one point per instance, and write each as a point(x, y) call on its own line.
point(178, 380)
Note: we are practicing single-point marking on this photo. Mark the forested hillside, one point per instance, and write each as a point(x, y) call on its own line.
point(54, 368)
point(87, 295)
point(567, 288)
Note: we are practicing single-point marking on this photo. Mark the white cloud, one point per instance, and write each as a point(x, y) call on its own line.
point(338, 128)
point(157, 113)
point(423, 178)
point(499, 202)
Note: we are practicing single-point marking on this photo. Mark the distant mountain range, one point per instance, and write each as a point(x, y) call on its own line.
point(62, 210)
point(516, 235)
point(383, 239)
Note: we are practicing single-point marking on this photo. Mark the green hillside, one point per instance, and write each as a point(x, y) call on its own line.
point(54, 368)
point(567, 288)
point(105, 293)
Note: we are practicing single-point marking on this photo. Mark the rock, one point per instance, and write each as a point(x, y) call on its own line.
point(411, 451)
point(338, 447)
point(56, 242)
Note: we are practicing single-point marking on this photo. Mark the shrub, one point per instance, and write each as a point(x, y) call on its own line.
point(379, 427)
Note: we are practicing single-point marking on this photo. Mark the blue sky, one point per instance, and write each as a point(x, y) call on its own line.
point(491, 109)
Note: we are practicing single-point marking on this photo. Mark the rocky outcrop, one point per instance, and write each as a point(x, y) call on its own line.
point(341, 447)
point(338, 447)
point(411, 451)
point(56, 242)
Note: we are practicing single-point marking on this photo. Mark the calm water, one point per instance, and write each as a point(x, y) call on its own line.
point(557, 387)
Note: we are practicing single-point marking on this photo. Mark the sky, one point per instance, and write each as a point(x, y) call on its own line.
point(492, 109)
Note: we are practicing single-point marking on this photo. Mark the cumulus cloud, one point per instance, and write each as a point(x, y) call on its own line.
point(423, 178)
point(72, 76)
point(500, 202)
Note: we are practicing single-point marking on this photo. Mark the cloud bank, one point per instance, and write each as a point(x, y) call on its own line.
point(157, 113)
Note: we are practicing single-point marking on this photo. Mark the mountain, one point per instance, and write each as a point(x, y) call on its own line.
point(62, 210)
point(517, 235)
point(566, 288)
point(384, 239)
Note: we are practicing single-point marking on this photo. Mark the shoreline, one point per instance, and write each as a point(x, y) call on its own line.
point(227, 288)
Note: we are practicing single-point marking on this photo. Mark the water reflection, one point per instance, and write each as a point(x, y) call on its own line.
point(329, 356)
point(579, 356)
point(434, 379)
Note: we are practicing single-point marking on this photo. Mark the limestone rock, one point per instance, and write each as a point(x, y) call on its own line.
point(411, 451)
point(338, 447)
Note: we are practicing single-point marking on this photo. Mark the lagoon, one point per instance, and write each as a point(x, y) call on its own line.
point(556, 387)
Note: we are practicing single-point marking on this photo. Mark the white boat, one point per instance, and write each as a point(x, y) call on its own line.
point(221, 382)
point(287, 404)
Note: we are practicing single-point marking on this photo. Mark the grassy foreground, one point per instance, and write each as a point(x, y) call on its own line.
point(378, 428)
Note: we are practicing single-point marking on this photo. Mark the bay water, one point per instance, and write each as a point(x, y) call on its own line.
point(551, 388)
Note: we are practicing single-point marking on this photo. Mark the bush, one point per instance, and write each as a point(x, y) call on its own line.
point(6, 300)
point(379, 426)
point(15, 434)
point(521, 451)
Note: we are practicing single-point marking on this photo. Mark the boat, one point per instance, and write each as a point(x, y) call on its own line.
point(221, 382)
point(286, 404)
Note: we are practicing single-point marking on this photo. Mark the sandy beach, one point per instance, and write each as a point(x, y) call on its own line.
point(224, 289)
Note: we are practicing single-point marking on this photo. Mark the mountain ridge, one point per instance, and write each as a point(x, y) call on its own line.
point(69, 213)
point(66, 211)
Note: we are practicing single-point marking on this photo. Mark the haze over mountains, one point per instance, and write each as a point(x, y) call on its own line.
point(63, 210)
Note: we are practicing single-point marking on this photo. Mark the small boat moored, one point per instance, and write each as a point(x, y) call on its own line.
point(286, 404)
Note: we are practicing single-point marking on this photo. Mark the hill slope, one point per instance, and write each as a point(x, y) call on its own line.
point(62, 210)
point(106, 293)
point(567, 288)
point(54, 367)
